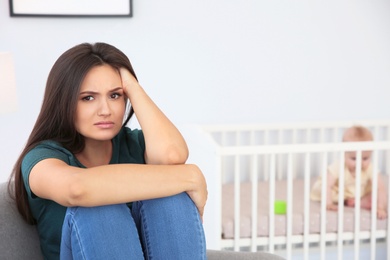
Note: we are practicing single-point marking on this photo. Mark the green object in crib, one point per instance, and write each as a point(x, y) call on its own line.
point(280, 207)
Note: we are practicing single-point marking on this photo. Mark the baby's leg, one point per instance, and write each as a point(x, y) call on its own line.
point(365, 202)
point(349, 202)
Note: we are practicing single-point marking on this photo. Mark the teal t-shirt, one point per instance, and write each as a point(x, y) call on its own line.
point(128, 147)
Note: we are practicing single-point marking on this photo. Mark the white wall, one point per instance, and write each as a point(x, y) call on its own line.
point(220, 61)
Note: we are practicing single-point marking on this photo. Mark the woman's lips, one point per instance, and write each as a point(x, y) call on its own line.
point(105, 124)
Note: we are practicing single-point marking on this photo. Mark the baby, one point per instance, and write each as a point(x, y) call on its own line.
point(353, 134)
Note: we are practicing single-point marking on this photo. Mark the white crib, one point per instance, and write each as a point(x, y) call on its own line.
point(249, 167)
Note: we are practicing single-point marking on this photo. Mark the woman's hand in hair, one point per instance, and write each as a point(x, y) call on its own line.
point(128, 81)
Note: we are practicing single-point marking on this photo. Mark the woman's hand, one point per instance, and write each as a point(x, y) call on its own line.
point(128, 81)
point(199, 192)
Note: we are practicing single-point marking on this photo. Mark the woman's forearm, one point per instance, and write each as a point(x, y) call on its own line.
point(164, 142)
point(113, 184)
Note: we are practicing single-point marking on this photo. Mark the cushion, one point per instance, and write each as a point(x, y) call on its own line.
point(19, 240)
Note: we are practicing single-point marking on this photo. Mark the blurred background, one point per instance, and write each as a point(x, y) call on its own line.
point(218, 61)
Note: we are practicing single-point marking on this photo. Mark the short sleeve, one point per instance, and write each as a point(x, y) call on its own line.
point(37, 154)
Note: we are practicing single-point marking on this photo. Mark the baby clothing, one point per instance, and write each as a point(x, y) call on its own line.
point(349, 183)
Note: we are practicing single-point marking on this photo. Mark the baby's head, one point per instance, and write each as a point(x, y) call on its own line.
point(357, 134)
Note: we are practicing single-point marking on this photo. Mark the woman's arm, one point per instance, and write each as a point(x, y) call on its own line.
point(164, 143)
point(118, 183)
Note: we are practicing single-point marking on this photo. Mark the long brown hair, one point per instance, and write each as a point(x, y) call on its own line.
point(56, 118)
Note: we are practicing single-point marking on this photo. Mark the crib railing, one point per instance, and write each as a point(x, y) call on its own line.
point(314, 132)
point(286, 152)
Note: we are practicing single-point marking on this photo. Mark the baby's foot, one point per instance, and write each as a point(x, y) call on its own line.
point(350, 202)
point(381, 213)
point(331, 207)
point(365, 204)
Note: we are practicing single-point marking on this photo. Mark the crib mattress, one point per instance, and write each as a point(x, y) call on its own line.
point(280, 220)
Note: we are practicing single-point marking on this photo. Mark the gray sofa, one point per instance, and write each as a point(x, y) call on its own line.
point(20, 240)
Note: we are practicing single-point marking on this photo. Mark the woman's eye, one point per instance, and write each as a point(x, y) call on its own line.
point(88, 98)
point(115, 95)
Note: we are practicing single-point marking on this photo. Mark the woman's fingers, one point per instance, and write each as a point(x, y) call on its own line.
point(128, 80)
point(199, 198)
point(200, 193)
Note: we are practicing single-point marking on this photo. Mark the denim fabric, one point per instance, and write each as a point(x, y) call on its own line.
point(170, 228)
point(166, 228)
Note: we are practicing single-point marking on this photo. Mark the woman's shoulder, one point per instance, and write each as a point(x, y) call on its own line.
point(47, 149)
point(51, 147)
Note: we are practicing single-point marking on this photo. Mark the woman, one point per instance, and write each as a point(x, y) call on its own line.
point(81, 165)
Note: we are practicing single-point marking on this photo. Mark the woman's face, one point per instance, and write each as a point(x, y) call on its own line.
point(101, 104)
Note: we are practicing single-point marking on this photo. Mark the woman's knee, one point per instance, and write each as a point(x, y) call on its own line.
point(170, 224)
point(176, 203)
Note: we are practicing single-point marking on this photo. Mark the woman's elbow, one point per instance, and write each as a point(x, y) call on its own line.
point(76, 193)
point(176, 156)
point(169, 156)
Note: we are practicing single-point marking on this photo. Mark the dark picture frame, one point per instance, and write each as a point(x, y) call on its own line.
point(71, 8)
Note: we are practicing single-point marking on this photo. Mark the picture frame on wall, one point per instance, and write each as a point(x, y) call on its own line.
point(71, 8)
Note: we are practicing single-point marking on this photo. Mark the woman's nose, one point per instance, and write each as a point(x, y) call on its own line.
point(104, 108)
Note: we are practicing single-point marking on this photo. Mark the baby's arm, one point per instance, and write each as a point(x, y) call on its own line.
point(330, 182)
point(382, 199)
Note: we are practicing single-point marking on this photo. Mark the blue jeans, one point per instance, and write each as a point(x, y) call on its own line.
point(166, 228)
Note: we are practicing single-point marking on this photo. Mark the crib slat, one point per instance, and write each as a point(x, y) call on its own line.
point(388, 192)
point(308, 135)
point(323, 204)
point(341, 206)
point(252, 139)
point(374, 207)
point(322, 135)
point(306, 214)
point(265, 164)
point(237, 220)
point(335, 135)
point(223, 138)
point(272, 176)
point(254, 203)
point(294, 140)
point(280, 161)
point(357, 202)
point(289, 204)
